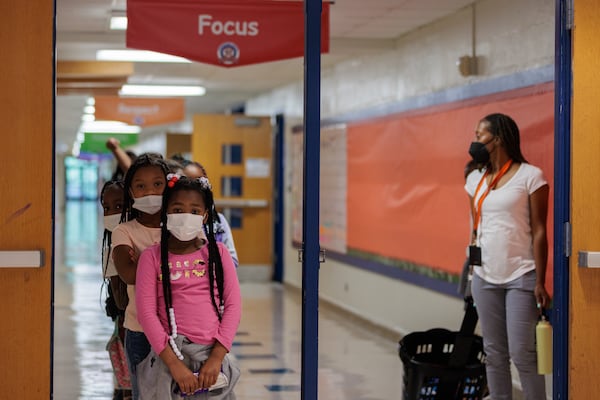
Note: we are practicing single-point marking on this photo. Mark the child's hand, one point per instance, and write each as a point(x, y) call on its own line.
point(207, 376)
point(112, 144)
point(187, 381)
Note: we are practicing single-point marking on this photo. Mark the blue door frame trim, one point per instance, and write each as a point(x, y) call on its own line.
point(310, 214)
point(53, 201)
point(278, 200)
point(562, 206)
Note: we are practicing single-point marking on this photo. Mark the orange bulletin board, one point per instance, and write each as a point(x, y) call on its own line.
point(405, 195)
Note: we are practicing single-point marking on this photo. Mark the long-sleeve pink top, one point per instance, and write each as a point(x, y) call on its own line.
point(195, 314)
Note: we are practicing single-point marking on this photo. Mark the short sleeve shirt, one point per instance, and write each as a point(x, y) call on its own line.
point(504, 233)
point(138, 237)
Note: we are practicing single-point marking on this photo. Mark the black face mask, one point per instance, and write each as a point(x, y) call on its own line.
point(479, 153)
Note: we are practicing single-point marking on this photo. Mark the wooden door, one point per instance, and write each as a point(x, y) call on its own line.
point(584, 349)
point(26, 197)
point(237, 154)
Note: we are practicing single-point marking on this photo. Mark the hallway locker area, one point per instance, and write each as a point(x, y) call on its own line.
point(356, 362)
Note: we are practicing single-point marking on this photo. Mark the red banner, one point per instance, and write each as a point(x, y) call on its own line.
point(228, 33)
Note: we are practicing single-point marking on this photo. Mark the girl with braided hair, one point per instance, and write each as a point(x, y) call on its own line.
point(111, 199)
point(144, 184)
point(188, 301)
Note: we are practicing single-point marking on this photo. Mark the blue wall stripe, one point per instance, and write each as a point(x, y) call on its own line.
point(449, 288)
point(490, 86)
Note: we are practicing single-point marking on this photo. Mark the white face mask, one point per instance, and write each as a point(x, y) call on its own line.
point(148, 204)
point(111, 221)
point(185, 227)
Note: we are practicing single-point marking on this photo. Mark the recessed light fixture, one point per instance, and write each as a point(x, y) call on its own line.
point(161, 90)
point(138, 56)
point(109, 127)
point(118, 23)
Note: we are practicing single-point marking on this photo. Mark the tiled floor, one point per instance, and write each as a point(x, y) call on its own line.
point(354, 364)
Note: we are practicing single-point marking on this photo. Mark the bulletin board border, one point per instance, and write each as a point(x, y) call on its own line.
point(519, 84)
point(420, 275)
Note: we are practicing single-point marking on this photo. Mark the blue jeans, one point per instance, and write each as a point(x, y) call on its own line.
point(137, 348)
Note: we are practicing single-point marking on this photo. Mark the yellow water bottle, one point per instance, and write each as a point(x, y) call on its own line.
point(543, 335)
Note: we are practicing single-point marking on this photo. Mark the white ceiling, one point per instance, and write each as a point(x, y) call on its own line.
point(357, 27)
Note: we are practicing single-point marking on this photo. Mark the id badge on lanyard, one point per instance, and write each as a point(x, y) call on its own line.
point(474, 250)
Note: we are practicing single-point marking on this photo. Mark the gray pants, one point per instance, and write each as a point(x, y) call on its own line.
point(155, 381)
point(508, 315)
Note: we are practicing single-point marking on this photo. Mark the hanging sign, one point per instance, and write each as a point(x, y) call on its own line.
point(96, 142)
point(228, 33)
point(139, 111)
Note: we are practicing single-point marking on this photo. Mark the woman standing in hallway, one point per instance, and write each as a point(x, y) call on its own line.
point(509, 250)
point(144, 184)
point(188, 300)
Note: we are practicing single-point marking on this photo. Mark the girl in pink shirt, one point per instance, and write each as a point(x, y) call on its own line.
point(188, 301)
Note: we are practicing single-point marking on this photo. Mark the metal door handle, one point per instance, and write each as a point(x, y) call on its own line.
point(588, 259)
point(21, 259)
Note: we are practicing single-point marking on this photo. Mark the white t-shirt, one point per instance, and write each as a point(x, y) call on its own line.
point(138, 237)
point(504, 233)
point(108, 266)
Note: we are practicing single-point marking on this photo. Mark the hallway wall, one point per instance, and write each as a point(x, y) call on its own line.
point(511, 37)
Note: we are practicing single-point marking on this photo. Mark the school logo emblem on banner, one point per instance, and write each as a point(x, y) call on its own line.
point(228, 53)
point(226, 32)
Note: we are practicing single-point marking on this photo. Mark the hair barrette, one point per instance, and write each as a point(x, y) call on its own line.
point(204, 183)
point(172, 179)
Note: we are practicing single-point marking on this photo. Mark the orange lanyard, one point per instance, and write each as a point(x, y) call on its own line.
point(492, 185)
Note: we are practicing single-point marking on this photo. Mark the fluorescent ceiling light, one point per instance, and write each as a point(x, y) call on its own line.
point(89, 110)
point(137, 56)
point(161, 90)
point(118, 23)
point(108, 127)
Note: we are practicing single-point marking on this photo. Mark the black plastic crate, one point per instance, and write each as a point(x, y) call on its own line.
point(428, 375)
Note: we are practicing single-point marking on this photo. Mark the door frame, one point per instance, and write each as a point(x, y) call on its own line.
point(278, 197)
point(562, 196)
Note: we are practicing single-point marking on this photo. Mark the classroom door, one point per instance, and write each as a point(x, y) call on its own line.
point(584, 306)
point(26, 199)
point(237, 153)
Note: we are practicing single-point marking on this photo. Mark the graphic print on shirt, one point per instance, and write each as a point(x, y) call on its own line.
point(187, 269)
